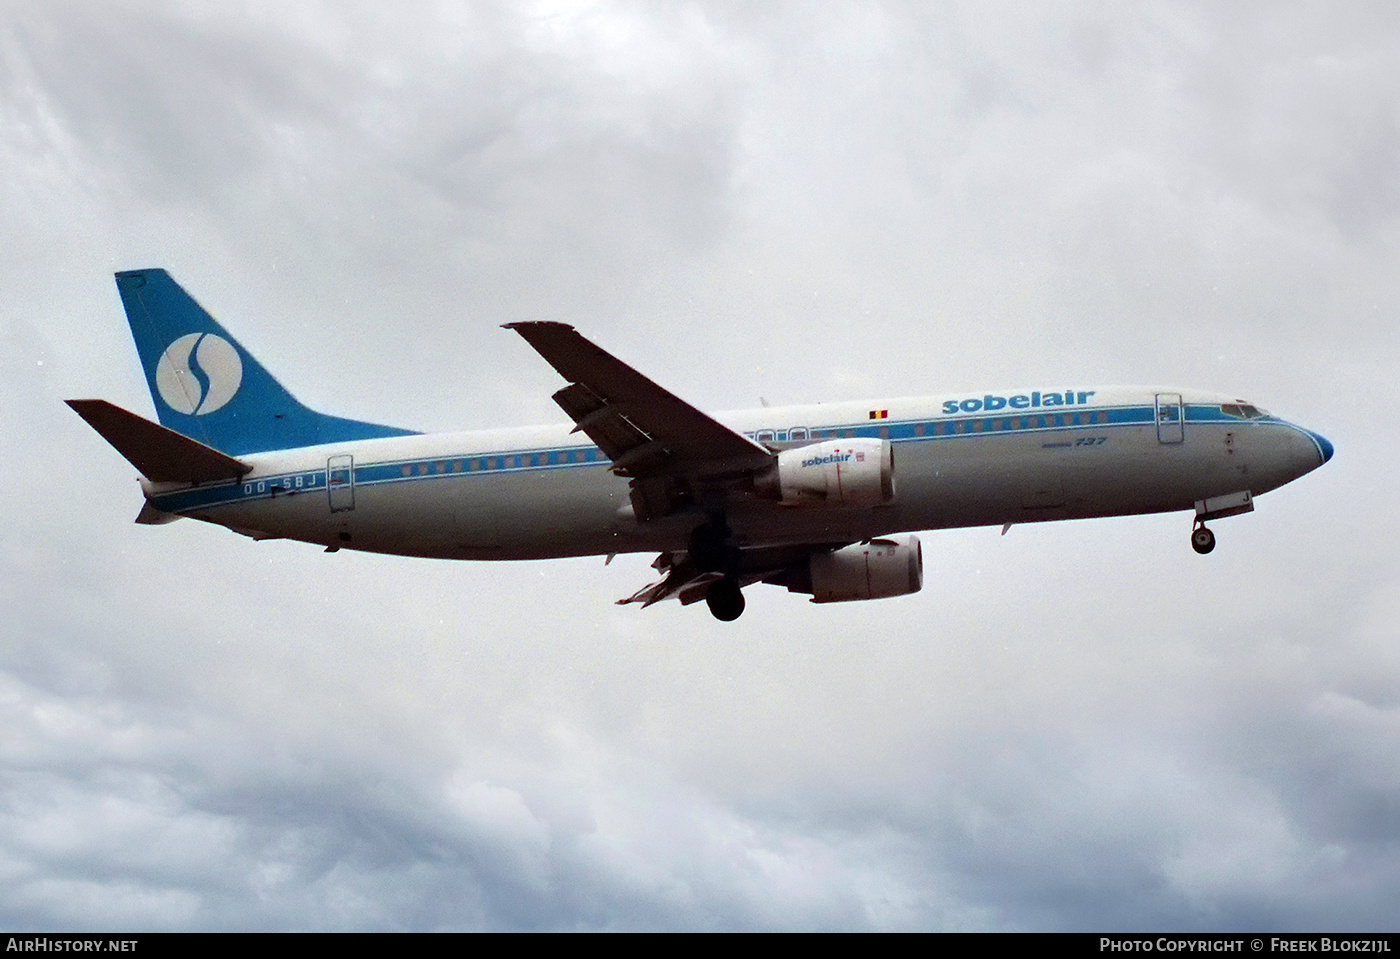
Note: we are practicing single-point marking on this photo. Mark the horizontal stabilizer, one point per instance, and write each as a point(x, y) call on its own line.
point(162, 455)
point(150, 516)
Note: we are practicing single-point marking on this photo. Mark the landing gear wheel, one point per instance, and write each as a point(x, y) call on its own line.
point(725, 599)
point(1202, 540)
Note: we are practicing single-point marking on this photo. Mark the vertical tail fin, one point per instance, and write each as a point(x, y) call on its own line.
point(206, 386)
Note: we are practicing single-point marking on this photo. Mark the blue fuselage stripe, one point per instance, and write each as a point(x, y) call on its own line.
point(467, 465)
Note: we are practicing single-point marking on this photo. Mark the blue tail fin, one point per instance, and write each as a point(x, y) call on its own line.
point(208, 387)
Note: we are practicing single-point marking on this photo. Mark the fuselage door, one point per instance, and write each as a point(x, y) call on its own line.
point(1171, 418)
point(340, 482)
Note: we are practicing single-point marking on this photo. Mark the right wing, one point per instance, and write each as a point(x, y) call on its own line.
point(676, 458)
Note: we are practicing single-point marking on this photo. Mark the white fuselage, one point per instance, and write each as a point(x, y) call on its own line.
point(966, 460)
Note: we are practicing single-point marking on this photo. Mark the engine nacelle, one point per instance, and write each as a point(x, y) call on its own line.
point(888, 566)
point(853, 472)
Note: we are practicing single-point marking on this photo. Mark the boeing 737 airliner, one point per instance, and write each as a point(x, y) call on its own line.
point(819, 499)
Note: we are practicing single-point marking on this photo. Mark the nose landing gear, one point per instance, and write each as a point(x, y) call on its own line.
point(1230, 504)
point(1202, 539)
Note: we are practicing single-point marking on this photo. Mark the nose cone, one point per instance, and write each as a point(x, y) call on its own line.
point(1308, 450)
point(1324, 448)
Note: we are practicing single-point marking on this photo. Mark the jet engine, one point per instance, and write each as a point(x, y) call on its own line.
point(888, 566)
point(852, 472)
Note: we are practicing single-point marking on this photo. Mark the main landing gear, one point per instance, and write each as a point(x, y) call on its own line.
point(725, 599)
point(1202, 539)
point(712, 551)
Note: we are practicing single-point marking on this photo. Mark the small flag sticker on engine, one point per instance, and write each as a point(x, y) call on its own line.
point(879, 414)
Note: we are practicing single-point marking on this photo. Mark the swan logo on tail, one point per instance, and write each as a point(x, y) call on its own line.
point(198, 374)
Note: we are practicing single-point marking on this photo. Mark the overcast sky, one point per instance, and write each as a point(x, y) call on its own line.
point(1075, 726)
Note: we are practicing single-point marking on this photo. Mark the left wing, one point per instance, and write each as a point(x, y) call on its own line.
point(678, 458)
point(674, 454)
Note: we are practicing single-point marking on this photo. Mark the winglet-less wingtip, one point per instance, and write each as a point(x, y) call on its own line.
point(526, 324)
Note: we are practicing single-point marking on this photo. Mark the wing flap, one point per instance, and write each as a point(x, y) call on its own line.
point(683, 580)
point(687, 586)
point(606, 424)
point(162, 455)
point(620, 409)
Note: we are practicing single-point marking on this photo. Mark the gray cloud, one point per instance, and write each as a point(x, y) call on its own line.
point(1079, 726)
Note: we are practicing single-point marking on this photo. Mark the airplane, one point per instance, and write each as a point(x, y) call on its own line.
point(821, 499)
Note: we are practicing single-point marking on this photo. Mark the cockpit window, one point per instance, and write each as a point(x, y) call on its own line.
point(1243, 410)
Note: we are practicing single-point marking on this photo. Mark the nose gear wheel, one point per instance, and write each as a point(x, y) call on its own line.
point(1202, 540)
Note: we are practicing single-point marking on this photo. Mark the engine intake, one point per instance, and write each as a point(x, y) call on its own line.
point(888, 566)
point(852, 472)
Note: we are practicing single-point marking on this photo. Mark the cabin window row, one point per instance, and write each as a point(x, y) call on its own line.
point(952, 427)
point(943, 428)
point(488, 463)
point(799, 434)
point(1002, 424)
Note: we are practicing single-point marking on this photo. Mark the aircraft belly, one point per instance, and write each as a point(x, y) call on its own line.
point(992, 480)
point(530, 514)
point(301, 515)
point(552, 513)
